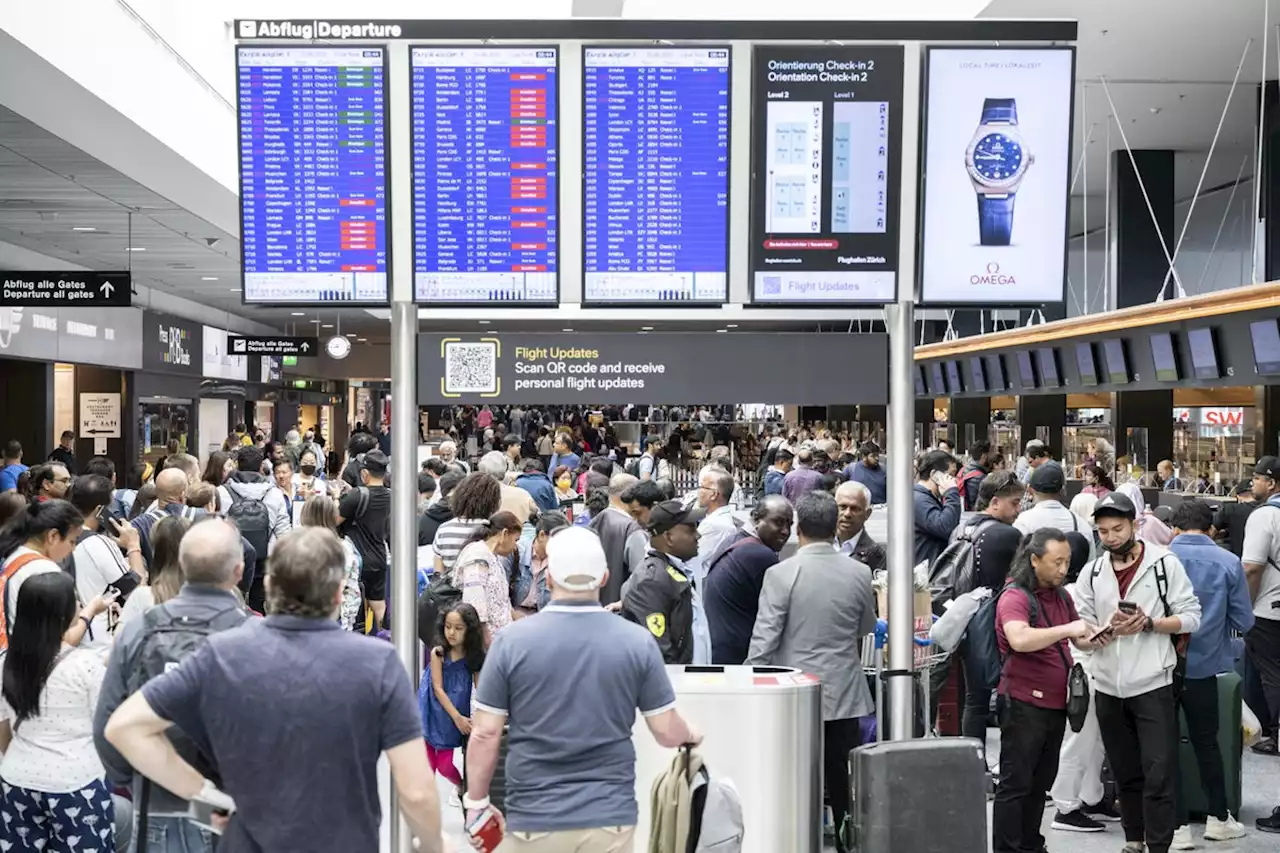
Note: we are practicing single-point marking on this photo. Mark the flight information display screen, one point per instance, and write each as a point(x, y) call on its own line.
point(313, 174)
point(484, 174)
point(825, 163)
point(656, 174)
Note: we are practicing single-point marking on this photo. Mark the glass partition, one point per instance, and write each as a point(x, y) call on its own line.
point(1214, 447)
point(1006, 437)
point(1085, 438)
point(1139, 469)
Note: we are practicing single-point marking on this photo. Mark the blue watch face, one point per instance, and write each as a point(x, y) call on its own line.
point(997, 157)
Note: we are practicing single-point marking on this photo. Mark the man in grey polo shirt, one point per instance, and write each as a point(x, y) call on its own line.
point(567, 683)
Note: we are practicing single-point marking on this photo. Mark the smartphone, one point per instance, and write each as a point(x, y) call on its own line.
point(202, 814)
point(485, 832)
point(1107, 630)
point(1128, 607)
point(122, 586)
point(937, 477)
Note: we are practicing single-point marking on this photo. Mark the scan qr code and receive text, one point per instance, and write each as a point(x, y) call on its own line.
point(471, 368)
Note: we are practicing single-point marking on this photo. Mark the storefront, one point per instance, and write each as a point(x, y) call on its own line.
point(69, 370)
point(167, 391)
point(222, 392)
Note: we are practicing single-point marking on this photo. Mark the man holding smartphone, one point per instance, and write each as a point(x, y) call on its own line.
point(1142, 591)
point(937, 505)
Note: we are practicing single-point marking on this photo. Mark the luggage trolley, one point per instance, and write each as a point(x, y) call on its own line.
point(875, 663)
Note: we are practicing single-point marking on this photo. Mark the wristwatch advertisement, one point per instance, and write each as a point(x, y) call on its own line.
point(997, 158)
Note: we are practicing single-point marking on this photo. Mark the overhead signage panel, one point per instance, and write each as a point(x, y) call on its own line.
point(825, 173)
point(997, 166)
point(279, 345)
point(649, 369)
point(656, 175)
point(313, 174)
point(66, 289)
point(485, 175)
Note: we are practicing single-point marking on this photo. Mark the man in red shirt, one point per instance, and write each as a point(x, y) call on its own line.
point(1034, 620)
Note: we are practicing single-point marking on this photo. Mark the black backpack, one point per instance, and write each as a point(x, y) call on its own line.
point(167, 640)
point(954, 572)
point(253, 519)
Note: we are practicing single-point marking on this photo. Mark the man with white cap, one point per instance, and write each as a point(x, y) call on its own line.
point(567, 685)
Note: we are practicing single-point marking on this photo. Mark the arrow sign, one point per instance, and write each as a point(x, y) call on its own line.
point(65, 289)
point(239, 345)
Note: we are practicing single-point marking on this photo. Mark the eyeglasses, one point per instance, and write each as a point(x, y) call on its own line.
point(62, 479)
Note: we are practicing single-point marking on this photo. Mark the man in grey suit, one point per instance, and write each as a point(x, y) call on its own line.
point(815, 608)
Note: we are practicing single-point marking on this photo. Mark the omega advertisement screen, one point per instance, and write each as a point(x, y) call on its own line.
point(996, 175)
point(825, 165)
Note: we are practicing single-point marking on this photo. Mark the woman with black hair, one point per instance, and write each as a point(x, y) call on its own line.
point(482, 575)
point(35, 542)
point(1035, 618)
point(54, 798)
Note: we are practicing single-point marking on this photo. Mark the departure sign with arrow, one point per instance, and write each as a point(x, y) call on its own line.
point(64, 289)
point(238, 345)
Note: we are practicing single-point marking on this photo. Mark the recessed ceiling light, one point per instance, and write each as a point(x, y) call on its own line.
point(83, 228)
point(484, 322)
point(642, 332)
point(327, 326)
point(362, 340)
point(646, 328)
point(566, 330)
point(351, 334)
point(298, 313)
point(731, 325)
point(208, 278)
point(721, 331)
point(234, 289)
point(135, 249)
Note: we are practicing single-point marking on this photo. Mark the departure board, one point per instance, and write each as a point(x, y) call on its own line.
point(484, 174)
point(656, 163)
point(313, 181)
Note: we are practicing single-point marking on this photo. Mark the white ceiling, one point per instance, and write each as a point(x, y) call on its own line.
point(1168, 64)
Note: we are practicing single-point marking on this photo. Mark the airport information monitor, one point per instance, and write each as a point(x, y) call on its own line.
point(485, 201)
point(313, 177)
point(656, 185)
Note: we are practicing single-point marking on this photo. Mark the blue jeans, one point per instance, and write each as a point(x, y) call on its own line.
point(177, 835)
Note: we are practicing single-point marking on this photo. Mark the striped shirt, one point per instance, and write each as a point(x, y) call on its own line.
point(452, 537)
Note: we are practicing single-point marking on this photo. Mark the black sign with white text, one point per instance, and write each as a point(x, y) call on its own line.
point(238, 345)
point(826, 155)
point(171, 344)
point(64, 289)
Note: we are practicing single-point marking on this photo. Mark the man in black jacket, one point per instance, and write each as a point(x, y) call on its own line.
point(1232, 516)
point(736, 574)
point(660, 593)
point(439, 512)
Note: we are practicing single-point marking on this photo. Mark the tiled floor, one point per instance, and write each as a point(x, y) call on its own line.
point(1261, 792)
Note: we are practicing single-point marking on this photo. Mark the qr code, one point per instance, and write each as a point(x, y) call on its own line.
point(773, 285)
point(471, 368)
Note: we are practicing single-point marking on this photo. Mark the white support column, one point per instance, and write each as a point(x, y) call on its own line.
point(900, 320)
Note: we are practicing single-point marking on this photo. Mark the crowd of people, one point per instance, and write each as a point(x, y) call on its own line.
point(135, 648)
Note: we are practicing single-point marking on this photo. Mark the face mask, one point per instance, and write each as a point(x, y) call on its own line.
point(307, 469)
point(563, 482)
point(1123, 548)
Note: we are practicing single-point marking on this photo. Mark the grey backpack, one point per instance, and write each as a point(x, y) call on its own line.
point(693, 811)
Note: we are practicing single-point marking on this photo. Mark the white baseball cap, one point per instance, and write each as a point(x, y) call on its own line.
point(575, 559)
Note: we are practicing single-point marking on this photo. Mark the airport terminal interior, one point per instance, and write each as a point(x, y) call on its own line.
point(897, 387)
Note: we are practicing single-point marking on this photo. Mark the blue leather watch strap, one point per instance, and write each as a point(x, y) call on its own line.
point(995, 220)
point(1000, 111)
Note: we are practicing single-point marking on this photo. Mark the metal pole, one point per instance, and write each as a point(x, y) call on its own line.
point(900, 320)
point(404, 406)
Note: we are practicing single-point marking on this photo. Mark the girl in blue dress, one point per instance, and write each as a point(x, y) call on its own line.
point(445, 692)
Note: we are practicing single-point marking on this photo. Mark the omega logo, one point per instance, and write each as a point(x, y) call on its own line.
point(993, 276)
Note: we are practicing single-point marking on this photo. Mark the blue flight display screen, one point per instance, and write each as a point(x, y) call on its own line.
point(313, 177)
point(484, 174)
point(656, 162)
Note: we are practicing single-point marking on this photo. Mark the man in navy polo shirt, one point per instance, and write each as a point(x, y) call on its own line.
point(294, 712)
point(567, 684)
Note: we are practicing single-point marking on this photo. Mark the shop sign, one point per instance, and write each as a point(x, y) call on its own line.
point(171, 344)
point(102, 336)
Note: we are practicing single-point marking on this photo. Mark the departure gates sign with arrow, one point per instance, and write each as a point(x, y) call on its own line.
point(64, 289)
point(238, 345)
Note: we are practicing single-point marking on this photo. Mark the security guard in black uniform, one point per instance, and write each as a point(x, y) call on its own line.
point(659, 595)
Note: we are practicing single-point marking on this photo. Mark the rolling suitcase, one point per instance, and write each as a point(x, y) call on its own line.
point(1230, 741)
point(894, 784)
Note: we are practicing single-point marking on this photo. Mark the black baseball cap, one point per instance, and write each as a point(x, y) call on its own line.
point(669, 514)
point(1268, 466)
point(1115, 504)
point(1048, 479)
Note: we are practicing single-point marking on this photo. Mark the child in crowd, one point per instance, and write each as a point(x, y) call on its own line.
point(445, 694)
